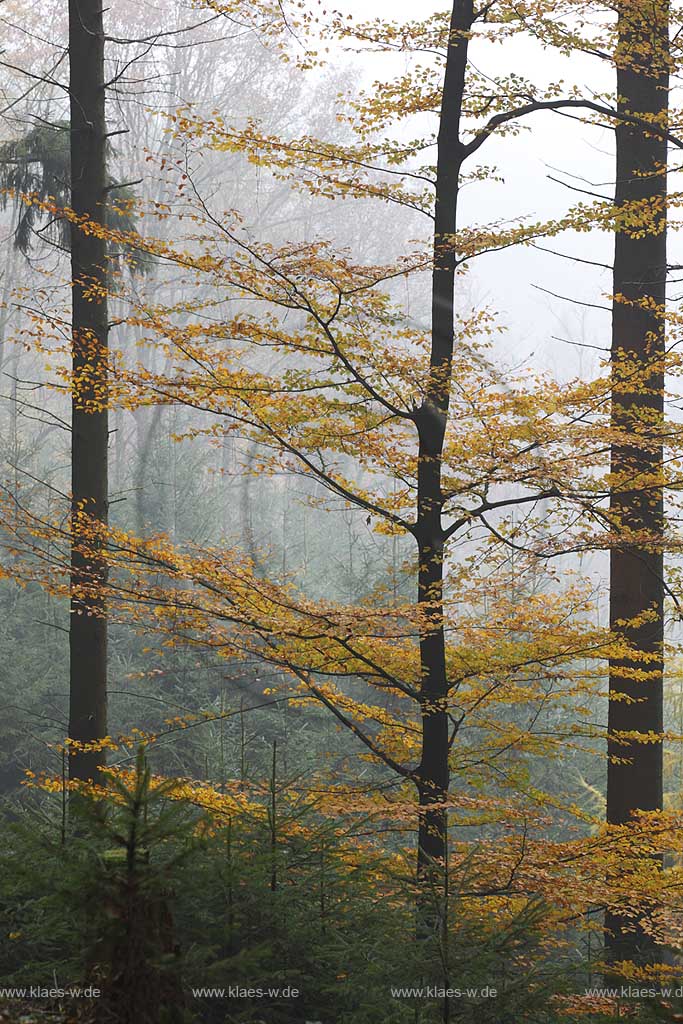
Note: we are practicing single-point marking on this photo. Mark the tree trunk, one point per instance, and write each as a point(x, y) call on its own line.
point(88, 625)
point(637, 502)
point(432, 775)
point(147, 431)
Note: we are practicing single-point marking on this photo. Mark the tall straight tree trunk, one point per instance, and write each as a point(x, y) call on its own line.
point(432, 774)
point(634, 775)
point(88, 626)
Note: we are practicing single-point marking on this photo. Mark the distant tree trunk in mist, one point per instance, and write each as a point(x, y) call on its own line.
point(147, 432)
point(88, 625)
point(637, 501)
point(432, 775)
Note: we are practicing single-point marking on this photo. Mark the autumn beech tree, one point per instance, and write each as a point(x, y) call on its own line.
point(58, 171)
point(634, 774)
point(89, 425)
point(304, 354)
point(366, 396)
point(89, 216)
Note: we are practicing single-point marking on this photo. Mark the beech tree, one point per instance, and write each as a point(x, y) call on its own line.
point(59, 171)
point(306, 358)
point(89, 424)
point(634, 773)
point(57, 165)
point(378, 390)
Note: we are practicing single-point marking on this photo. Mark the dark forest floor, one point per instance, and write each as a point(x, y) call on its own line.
point(18, 1011)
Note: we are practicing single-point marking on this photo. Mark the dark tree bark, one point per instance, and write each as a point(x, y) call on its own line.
point(88, 626)
point(634, 782)
point(432, 774)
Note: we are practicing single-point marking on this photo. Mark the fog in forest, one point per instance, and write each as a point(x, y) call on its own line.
point(340, 575)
